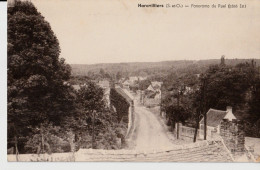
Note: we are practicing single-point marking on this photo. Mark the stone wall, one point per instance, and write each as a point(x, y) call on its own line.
point(131, 119)
point(233, 135)
point(187, 133)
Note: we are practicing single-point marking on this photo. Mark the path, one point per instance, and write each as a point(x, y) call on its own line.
point(149, 133)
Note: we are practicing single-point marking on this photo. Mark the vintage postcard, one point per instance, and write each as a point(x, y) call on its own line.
point(133, 81)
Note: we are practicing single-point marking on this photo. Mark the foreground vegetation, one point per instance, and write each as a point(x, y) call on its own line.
point(45, 114)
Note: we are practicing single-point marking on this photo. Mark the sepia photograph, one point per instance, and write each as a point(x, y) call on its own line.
point(133, 81)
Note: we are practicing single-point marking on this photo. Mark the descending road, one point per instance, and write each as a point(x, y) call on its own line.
point(150, 135)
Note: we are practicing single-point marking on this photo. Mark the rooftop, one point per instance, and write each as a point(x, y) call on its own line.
point(214, 117)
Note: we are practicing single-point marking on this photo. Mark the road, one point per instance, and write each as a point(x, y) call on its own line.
point(150, 134)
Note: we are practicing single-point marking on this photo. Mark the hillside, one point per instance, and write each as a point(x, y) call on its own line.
point(149, 68)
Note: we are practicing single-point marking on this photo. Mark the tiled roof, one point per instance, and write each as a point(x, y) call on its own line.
point(214, 117)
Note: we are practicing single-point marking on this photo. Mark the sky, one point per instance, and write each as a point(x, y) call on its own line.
point(114, 31)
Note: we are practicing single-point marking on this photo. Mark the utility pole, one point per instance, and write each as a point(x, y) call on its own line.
point(16, 148)
point(42, 147)
point(203, 108)
point(180, 91)
point(93, 129)
point(178, 104)
point(161, 103)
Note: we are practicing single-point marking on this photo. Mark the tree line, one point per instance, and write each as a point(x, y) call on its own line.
point(187, 97)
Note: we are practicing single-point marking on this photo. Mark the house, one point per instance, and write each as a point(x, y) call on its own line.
point(187, 90)
point(150, 88)
point(78, 86)
point(156, 84)
point(132, 80)
point(142, 78)
point(126, 84)
point(197, 75)
point(154, 90)
point(214, 118)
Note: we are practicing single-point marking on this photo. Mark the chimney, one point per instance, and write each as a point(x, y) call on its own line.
point(229, 114)
point(229, 109)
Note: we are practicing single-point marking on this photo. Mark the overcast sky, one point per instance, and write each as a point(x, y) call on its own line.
point(108, 31)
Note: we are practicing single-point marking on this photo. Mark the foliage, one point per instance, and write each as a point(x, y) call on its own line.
point(177, 113)
point(177, 100)
point(90, 99)
point(225, 86)
point(37, 89)
point(236, 86)
point(43, 108)
point(144, 84)
point(51, 137)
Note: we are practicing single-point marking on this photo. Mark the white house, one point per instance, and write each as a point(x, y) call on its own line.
point(126, 84)
point(214, 118)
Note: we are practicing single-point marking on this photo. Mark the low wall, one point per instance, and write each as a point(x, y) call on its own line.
point(187, 133)
point(131, 119)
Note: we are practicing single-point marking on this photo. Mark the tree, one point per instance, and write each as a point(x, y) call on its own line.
point(118, 75)
point(37, 89)
point(91, 99)
point(144, 84)
point(222, 63)
point(177, 114)
point(253, 127)
point(226, 86)
point(98, 126)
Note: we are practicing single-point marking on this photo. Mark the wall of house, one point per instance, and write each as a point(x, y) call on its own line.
point(211, 132)
point(233, 135)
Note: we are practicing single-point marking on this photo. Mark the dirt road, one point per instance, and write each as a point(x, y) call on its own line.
point(150, 135)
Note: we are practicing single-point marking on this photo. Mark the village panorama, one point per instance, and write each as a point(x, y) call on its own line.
point(168, 111)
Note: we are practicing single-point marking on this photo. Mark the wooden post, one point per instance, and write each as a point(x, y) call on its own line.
point(197, 126)
point(16, 148)
point(93, 129)
point(203, 109)
point(42, 141)
point(205, 126)
point(178, 130)
point(161, 103)
point(178, 104)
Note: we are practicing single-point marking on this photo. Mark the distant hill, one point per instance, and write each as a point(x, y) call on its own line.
point(149, 68)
